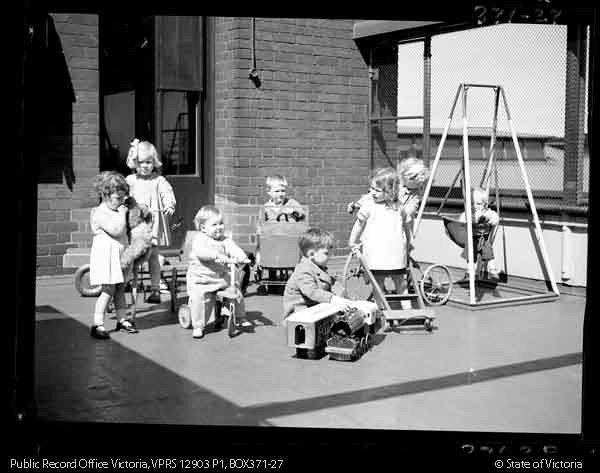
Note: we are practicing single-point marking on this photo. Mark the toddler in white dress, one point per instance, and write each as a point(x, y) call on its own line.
point(381, 231)
point(108, 222)
point(208, 270)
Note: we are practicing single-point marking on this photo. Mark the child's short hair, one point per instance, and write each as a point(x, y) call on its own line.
point(274, 180)
point(314, 239)
point(110, 182)
point(206, 212)
point(142, 149)
point(413, 169)
point(387, 179)
point(481, 195)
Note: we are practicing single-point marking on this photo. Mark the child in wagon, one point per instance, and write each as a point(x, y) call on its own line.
point(279, 206)
point(279, 203)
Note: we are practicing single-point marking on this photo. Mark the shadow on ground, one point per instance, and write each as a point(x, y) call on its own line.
point(82, 379)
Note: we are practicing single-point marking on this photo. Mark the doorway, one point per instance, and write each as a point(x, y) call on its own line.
point(156, 85)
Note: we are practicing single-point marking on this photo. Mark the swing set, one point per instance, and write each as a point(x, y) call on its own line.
point(475, 237)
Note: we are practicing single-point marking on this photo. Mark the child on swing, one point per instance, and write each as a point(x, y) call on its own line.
point(148, 187)
point(381, 230)
point(482, 214)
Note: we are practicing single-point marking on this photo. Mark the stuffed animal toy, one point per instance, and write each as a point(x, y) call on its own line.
point(139, 228)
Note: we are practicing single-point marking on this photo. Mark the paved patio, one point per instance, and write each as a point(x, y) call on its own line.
point(514, 369)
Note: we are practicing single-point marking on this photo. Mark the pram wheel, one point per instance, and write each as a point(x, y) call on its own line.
point(428, 325)
point(184, 315)
point(436, 284)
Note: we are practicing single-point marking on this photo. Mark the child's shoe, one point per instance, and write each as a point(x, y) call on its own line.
point(219, 322)
point(127, 326)
point(154, 297)
point(198, 332)
point(246, 323)
point(99, 332)
point(164, 288)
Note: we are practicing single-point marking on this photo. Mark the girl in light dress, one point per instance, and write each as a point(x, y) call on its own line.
point(108, 223)
point(148, 187)
point(381, 230)
point(413, 175)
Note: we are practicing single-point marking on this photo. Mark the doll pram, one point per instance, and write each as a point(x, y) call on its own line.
point(279, 252)
point(433, 286)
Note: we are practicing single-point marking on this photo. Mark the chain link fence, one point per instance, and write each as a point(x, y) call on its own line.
point(532, 64)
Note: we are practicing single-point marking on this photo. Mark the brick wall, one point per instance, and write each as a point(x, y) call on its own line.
point(69, 141)
point(306, 121)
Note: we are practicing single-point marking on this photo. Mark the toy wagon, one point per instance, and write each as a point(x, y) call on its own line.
point(279, 252)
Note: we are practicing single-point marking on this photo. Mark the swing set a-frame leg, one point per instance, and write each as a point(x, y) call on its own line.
point(536, 220)
point(545, 261)
point(435, 163)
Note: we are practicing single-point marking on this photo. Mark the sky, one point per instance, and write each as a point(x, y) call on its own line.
point(527, 60)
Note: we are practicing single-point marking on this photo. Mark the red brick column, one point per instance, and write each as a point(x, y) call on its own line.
point(305, 121)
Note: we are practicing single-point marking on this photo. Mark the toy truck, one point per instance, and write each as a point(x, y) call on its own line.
point(309, 331)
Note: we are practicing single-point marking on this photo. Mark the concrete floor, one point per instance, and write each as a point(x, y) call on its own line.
point(512, 369)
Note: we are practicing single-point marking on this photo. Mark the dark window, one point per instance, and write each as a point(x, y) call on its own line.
point(152, 83)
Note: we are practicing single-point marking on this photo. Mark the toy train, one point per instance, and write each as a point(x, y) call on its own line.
point(323, 328)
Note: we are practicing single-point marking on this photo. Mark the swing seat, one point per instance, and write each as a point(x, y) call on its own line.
point(457, 230)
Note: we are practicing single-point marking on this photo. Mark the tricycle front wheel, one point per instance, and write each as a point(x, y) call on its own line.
point(82, 282)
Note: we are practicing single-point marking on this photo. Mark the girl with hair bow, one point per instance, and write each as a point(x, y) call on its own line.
point(147, 186)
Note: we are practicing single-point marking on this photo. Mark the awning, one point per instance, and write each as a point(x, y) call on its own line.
point(376, 31)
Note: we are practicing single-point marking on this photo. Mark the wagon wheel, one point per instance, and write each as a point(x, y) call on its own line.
point(436, 284)
point(82, 282)
point(184, 315)
point(356, 284)
point(231, 320)
point(364, 345)
point(369, 340)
